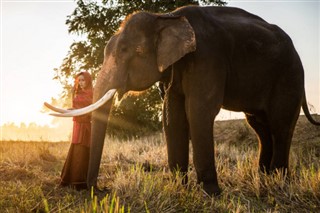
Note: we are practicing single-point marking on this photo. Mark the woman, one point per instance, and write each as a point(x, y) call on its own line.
point(74, 172)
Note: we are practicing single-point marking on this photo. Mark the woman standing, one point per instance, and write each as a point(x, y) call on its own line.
point(74, 172)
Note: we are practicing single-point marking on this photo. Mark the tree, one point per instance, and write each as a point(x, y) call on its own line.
point(97, 22)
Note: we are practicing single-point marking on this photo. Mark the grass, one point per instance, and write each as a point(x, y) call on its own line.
point(137, 176)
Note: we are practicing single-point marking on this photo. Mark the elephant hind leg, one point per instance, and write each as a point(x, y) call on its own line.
point(282, 128)
point(282, 136)
point(261, 127)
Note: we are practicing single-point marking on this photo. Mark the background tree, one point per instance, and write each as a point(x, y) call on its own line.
point(96, 23)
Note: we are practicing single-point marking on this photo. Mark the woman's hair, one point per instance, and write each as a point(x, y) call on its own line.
point(87, 78)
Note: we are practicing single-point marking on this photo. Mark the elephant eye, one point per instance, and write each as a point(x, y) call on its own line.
point(139, 50)
point(123, 49)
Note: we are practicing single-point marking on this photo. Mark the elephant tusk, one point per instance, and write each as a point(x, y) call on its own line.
point(56, 109)
point(88, 109)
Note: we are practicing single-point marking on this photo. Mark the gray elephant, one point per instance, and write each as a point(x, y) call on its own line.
point(207, 58)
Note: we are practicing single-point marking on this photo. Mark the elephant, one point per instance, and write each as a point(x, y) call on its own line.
point(206, 58)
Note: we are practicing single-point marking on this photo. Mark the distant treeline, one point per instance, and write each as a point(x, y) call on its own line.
point(35, 132)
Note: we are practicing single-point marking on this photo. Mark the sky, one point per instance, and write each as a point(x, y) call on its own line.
point(35, 39)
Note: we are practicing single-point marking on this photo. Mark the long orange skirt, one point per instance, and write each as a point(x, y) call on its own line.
point(74, 172)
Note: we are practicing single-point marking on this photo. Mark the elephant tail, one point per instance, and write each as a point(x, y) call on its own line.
point(307, 112)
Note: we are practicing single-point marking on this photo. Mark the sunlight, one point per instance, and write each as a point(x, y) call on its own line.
point(229, 115)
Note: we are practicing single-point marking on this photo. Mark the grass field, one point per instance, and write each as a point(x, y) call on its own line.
point(137, 176)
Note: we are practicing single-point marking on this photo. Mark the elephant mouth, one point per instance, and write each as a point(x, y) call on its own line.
point(120, 93)
point(77, 112)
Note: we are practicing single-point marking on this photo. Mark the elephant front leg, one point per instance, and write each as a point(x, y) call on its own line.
point(201, 128)
point(177, 134)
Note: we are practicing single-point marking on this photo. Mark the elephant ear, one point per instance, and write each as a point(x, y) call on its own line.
point(176, 39)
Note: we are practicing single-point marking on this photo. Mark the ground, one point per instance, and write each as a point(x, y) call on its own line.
point(135, 174)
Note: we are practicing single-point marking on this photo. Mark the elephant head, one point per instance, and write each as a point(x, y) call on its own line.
point(144, 47)
point(134, 59)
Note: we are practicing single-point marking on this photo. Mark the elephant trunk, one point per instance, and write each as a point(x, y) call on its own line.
point(98, 129)
point(99, 126)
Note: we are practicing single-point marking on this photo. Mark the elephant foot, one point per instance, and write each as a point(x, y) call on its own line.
point(212, 189)
point(263, 169)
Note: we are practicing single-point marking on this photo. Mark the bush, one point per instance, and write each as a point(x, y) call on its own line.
point(137, 115)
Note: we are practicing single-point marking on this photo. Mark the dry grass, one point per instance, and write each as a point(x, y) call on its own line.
point(137, 175)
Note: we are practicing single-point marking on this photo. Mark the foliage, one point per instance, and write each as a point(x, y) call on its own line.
point(137, 115)
point(96, 23)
